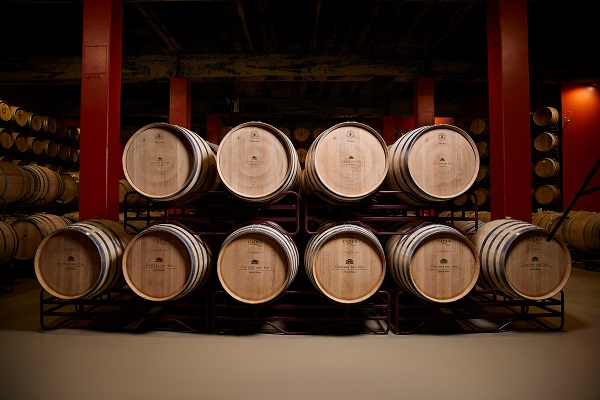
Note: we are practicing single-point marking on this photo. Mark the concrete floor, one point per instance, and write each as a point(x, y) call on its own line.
point(87, 364)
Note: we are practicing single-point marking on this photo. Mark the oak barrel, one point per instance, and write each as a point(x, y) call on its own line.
point(5, 112)
point(301, 134)
point(46, 185)
point(345, 262)
point(432, 164)
point(14, 183)
point(169, 163)
point(346, 163)
point(128, 196)
point(70, 194)
point(8, 242)
point(6, 139)
point(545, 142)
point(34, 122)
point(434, 262)
point(582, 231)
point(18, 116)
point(257, 162)
point(83, 259)
point(479, 126)
point(546, 167)
point(49, 125)
point(547, 194)
point(32, 229)
point(166, 262)
point(517, 259)
point(545, 116)
point(257, 263)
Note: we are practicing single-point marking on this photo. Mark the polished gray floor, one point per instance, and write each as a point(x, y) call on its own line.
point(87, 364)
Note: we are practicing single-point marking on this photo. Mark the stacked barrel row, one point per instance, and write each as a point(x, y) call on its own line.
point(546, 158)
point(256, 162)
point(30, 138)
point(34, 185)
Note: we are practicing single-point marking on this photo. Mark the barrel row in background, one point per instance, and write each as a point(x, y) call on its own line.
point(34, 124)
point(35, 185)
point(23, 148)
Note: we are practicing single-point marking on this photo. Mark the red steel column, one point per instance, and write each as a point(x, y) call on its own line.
point(180, 102)
point(423, 102)
point(508, 87)
point(213, 128)
point(389, 130)
point(100, 152)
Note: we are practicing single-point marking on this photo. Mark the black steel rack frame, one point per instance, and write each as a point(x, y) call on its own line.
point(302, 309)
point(481, 311)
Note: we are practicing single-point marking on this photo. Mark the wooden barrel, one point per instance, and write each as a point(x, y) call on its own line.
point(483, 174)
point(462, 199)
point(19, 142)
point(257, 263)
point(6, 139)
point(547, 194)
point(72, 216)
point(547, 220)
point(32, 229)
point(545, 142)
point(18, 116)
point(483, 148)
point(302, 152)
point(317, 131)
point(286, 131)
point(346, 163)
point(479, 126)
point(35, 146)
point(46, 186)
point(257, 162)
point(434, 262)
point(345, 262)
point(432, 164)
point(166, 262)
point(83, 259)
point(169, 163)
point(301, 134)
point(480, 196)
point(582, 231)
point(129, 196)
point(5, 112)
point(49, 125)
point(517, 259)
point(34, 122)
point(50, 149)
point(72, 154)
point(70, 194)
point(545, 116)
point(14, 183)
point(8, 242)
point(546, 167)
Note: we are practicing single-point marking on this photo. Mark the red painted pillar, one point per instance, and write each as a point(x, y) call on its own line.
point(213, 128)
point(423, 104)
point(389, 130)
point(180, 102)
point(508, 88)
point(100, 152)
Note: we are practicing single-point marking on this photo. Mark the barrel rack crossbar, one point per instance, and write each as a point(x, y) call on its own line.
point(300, 309)
point(481, 311)
point(121, 310)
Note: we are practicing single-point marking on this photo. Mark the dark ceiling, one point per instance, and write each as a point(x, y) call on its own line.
point(310, 57)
